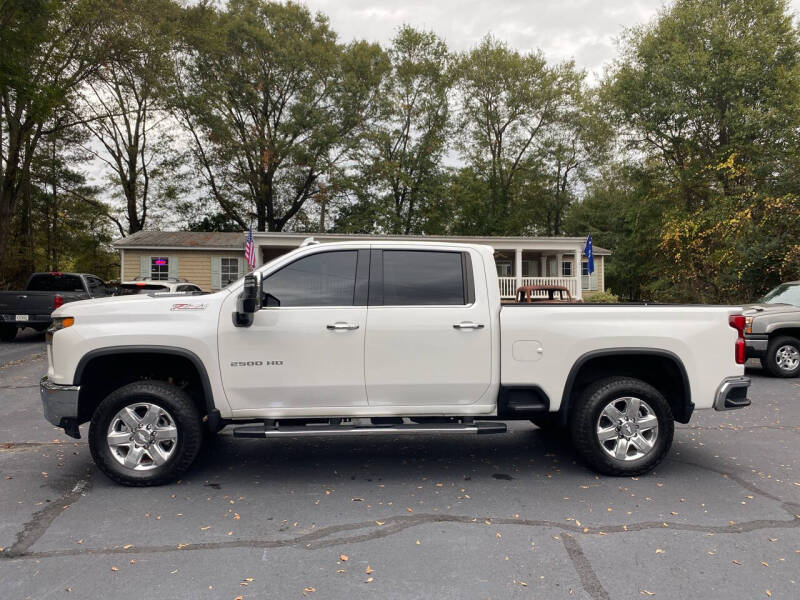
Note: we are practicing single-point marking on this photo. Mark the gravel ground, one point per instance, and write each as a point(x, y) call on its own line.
point(506, 516)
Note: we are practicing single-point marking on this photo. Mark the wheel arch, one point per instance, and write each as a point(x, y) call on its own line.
point(161, 359)
point(661, 368)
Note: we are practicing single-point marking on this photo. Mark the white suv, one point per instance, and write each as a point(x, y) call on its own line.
point(156, 286)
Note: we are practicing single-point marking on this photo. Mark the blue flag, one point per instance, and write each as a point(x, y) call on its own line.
point(589, 253)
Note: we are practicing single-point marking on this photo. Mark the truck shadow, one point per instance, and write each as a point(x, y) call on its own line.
point(524, 449)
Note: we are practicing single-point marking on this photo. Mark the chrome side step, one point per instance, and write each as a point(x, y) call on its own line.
point(265, 431)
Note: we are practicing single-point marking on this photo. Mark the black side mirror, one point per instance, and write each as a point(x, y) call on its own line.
point(249, 301)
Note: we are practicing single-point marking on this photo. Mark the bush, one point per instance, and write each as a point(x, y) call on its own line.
point(603, 298)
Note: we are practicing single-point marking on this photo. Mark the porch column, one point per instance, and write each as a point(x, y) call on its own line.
point(542, 266)
point(518, 267)
point(576, 273)
point(559, 268)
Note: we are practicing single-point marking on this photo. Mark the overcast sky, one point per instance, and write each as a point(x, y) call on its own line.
point(584, 30)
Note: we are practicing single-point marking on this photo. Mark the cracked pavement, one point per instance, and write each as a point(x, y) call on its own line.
point(501, 516)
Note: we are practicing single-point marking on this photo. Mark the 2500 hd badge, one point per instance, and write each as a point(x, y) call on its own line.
point(256, 363)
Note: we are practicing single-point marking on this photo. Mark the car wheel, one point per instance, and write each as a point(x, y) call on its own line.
point(783, 357)
point(7, 332)
point(145, 433)
point(622, 426)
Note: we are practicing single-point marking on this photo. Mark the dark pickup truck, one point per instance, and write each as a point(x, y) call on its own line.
point(44, 293)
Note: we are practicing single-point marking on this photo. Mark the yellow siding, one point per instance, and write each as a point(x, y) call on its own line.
point(193, 265)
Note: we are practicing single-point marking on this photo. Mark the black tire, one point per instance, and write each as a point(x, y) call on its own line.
point(770, 361)
point(547, 421)
point(180, 407)
point(7, 332)
point(585, 417)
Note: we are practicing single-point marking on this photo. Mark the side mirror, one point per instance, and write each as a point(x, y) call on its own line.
point(249, 301)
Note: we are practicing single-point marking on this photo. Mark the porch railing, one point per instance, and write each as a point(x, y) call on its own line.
point(508, 285)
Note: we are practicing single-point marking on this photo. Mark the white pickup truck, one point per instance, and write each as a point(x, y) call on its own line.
point(381, 338)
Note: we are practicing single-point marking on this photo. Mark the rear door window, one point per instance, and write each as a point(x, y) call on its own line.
point(412, 277)
point(45, 282)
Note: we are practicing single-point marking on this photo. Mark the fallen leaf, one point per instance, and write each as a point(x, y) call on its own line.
point(764, 564)
point(659, 551)
point(126, 546)
point(236, 516)
point(206, 527)
point(182, 546)
point(114, 569)
point(344, 557)
point(409, 509)
point(768, 593)
point(309, 589)
point(369, 570)
point(647, 592)
point(736, 562)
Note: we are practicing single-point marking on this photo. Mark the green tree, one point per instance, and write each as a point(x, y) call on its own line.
point(49, 48)
point(707, 99)
point(399, 178)
point(126, 109)
point(509, 104)
point(273, 104)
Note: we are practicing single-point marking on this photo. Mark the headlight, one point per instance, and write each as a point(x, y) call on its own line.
point(59, 323)
point(748, 324)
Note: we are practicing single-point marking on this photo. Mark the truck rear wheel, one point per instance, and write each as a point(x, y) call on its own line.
point(7, 332)
point(145, 433)
point(622, 426)
point(783, 357)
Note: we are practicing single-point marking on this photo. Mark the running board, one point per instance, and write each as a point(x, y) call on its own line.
point(263, 431)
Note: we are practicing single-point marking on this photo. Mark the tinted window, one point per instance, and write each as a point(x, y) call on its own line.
point(55, 283)
point(411, 277)
point(324, 279)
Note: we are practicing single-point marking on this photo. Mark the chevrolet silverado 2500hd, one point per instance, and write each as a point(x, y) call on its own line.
point(381, 338)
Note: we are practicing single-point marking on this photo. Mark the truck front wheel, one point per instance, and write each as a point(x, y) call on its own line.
point(7, 332)
point(145, 433)
point(783, 357)
point(622, 426)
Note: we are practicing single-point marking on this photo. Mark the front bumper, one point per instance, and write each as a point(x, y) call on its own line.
point(60, 404)
point(756, 345)
point(732, 394)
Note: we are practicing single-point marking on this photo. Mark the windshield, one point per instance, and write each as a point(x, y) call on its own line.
point(786, 293)
point(129, 289)
point(47, 282)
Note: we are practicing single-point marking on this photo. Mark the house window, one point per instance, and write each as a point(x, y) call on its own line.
point(503, 269)
point(159, 268)
point(566, 269)
point(585, 267)
point(229, 270)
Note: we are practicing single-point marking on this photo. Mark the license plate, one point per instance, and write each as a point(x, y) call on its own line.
point(21, 317)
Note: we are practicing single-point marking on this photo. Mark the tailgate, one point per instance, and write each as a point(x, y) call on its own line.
point(24, 303)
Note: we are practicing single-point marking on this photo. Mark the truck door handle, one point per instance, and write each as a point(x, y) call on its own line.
point(340, 326)
point(468, 325)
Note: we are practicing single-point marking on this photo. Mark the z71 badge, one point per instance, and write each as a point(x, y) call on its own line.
point(257, 363)
point(185, 306)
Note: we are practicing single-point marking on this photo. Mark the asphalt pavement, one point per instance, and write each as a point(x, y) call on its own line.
point(499, 516)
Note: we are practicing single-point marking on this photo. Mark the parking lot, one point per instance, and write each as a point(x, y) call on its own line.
point(508, 516)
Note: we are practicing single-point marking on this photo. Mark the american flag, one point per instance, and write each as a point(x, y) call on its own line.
point(250, 249)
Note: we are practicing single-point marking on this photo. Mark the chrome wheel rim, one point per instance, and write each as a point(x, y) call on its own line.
point(142, 436)
point(627, 428)
point(787, 357)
